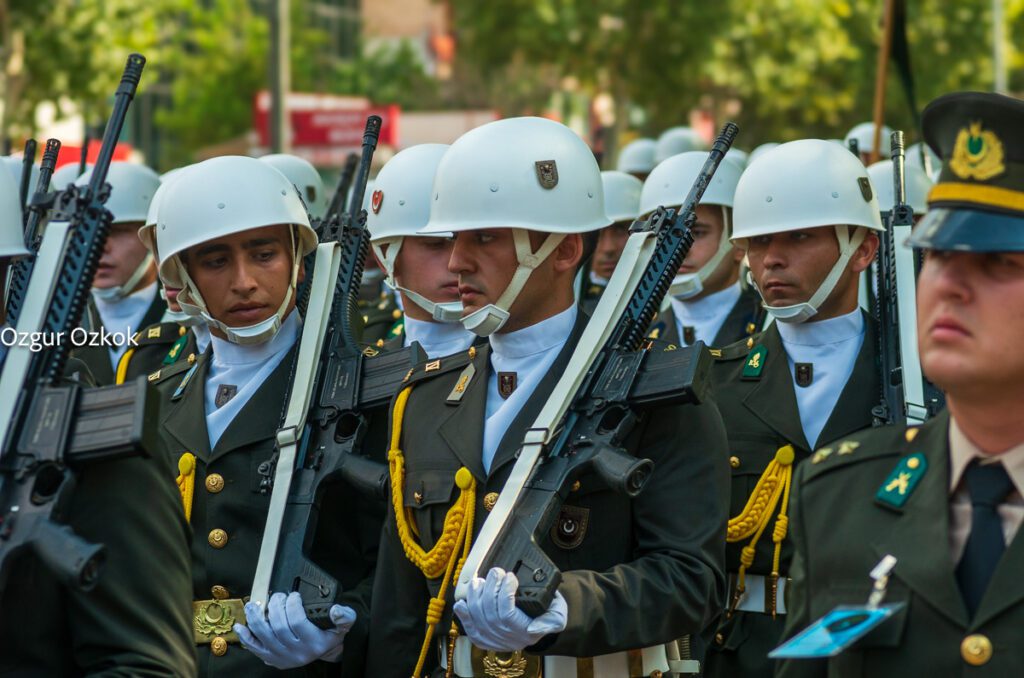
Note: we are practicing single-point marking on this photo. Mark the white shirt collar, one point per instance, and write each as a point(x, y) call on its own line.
point(716, 304)
point(437, 339)
point(598, 280)
point(132, 307)
point(823, 332)
point(537, 338)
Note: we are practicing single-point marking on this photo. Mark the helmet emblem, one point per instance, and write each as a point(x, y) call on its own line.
point(547, 173)
point(865, 188)
point(376, 201)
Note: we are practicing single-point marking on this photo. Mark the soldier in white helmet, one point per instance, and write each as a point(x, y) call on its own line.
point(125, 293)
point(231, 233)
point(416, 266)
point(305, 178)
point(12, 242)
point(916, 184)
point(759, 151)
point(622, 206)
point(921, 156)
point(177, 335)
point(637, 158)
point(676, 140)
point(520, 195)
point(15, 165)
point(807, 218)
point(65, 175)
point(864, 135)
point(706, 301)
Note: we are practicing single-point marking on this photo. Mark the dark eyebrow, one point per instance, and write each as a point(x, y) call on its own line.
point(211, 249)
point(260, 242)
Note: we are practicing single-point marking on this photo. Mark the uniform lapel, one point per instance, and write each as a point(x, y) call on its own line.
point(154, 313)
point(670, 329)
point(772, 399)
point(259, 418)
point(513, 438)
point(462, 425)
point(923, 528)
point(853, 409)
point(735, 326)
point(186, 420)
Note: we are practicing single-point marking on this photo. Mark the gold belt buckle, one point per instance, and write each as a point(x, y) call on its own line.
point(214, 618)
point(505, 664)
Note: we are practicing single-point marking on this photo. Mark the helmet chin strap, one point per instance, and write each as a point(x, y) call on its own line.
point(487, 320)
point(442, 312)
point(119, 292)
point(192, 303)
point(804, 311)
point(178, 317)
point(689, 285)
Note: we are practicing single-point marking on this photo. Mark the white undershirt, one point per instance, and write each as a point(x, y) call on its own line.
point(529, 353)
point(125, 315)
point(831, 346)
point(437, 339)
point(245, 366)
point(705, 315)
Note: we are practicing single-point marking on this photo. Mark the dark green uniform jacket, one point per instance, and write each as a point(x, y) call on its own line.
point(157, 347)
point(760, 414)
point(228, 503)
point(137, 621)
point(745, 319)
point(841, 531)
point(97, 358)
point(379, 318)
point(637, 573)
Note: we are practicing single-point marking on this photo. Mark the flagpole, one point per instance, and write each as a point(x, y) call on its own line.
point(999, 47)
point(881, 75)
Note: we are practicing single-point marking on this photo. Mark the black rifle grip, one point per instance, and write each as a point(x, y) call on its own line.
point(50, 153)
point(372, 132)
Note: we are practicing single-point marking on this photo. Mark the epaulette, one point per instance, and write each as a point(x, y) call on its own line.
point(872, 443)
point(438, 366)
point(168, 371)
point(740, 349)
point(160, 333)
point(397, 329)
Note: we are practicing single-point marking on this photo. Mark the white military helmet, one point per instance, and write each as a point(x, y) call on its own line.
point(12, 234)
point(676, 140)
point(14, 166)
point(219, 197)
point(305, 178)
point(864, 133)
point(738, 156)
point(621, 195)
point(807, 184)
point(916, 184)
point(915, 159)
point(527, 174)
point(132, 187)
point(65, 175)
point(759, 151)
point(637, 157)
point(399, 207)
point(669, 185)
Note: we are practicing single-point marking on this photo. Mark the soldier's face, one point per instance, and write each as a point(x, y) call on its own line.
point(789, 267)
point(970, 316)
point(610, 243)
point(243, 277)
point(485, 262)
point(707, 235)
point(422, 266)
point(122, 254)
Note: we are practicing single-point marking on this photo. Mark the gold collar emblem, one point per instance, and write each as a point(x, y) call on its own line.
point(978, 154)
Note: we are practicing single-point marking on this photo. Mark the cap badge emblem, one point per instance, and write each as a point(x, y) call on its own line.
point(978, 154)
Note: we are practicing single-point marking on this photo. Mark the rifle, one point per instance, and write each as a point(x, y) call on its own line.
point(906, 397)
point(612, 379)
point(83, 157)
point(854, 146)
point(335, 388)
point(27, 161)
point(42, 201)
point(337, 205)
point(49, 430)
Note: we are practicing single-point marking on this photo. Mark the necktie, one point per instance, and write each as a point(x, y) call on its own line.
point(988, 485)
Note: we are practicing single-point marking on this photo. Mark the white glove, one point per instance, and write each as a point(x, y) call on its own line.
point(492, 621)
point(285, 639)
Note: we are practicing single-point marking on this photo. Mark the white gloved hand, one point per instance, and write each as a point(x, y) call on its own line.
point(492, 621)
point(285, 639)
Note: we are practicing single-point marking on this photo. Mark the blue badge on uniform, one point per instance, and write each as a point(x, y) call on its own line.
point(184, 382)
point(835, 632)
point(901, 482)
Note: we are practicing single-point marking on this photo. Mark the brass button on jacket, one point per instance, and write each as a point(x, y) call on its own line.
point(218, 592)
point(214, 483)
point(218, 646)
point(976, 649)
point(217, 538)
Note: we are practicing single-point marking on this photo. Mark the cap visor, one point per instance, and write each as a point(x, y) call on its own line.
point(969, 231)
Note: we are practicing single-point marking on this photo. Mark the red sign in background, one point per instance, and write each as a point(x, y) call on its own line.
point(319, 120)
